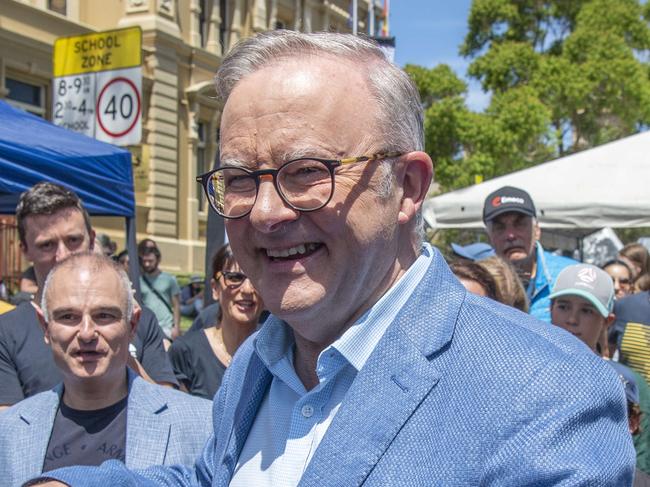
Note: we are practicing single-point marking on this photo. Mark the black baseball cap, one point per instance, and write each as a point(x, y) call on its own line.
point(507, 199)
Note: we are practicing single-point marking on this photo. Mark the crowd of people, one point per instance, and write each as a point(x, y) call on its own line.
point(340, 349)
point(583, 299)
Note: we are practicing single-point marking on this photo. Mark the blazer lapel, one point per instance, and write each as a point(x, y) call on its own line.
point(38, 421)
point(147, 428)
point(397, 377)
point(255, 382)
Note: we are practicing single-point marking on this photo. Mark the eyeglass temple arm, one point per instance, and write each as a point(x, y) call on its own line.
point(371, 157)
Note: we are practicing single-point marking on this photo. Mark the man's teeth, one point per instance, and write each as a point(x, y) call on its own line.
point(299, 249)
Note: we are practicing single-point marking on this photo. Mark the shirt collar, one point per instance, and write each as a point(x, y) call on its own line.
point(275, 339)
point(359, 341)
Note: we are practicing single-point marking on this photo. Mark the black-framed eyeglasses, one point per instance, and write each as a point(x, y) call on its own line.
point(232, 279)
point(305, 184)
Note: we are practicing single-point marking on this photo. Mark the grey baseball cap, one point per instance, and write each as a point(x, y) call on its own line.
point(588, 282)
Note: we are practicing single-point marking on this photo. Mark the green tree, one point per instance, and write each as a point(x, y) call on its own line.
point(564, 75)
point(583, 59)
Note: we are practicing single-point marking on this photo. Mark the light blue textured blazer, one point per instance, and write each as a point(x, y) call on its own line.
point(163, 427)
point(459, 391)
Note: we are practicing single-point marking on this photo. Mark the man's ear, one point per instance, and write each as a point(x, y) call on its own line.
point(43, 323)
point(414, 176)
point(488, 226)
point(91, 240)
point(537, 231)
point(26, 251)
point(611, 318)
point(135, 319)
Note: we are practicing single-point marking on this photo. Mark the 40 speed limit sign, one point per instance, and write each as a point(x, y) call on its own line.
point(118, 107)
point(98, 85)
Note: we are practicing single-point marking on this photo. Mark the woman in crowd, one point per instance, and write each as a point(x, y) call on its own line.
point(474, 278)
point(622, 276)
point(509, 288)
point(642, 283)
point(638, 257)
point(200, 357)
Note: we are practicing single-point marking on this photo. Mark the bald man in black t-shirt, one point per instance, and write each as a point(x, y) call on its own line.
point(102, 410)
point(53, 224)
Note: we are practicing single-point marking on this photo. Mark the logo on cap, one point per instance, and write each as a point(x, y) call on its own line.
point(587, 276)
point(507, 199)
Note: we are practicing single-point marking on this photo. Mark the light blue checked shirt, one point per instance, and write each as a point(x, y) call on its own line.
point(292, 421)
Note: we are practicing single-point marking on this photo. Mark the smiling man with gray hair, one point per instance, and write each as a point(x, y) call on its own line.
point(376, 366)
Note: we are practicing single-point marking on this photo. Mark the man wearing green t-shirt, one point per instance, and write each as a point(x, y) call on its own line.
point(160, 292)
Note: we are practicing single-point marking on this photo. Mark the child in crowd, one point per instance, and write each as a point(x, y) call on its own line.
point(582, 303)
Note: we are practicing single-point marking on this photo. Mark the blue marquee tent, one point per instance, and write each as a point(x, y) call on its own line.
point(34, 150)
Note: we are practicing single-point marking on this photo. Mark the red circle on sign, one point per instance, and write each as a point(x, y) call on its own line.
point(99, 102)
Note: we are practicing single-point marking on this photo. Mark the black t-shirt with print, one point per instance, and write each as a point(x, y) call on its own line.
point(87, 437)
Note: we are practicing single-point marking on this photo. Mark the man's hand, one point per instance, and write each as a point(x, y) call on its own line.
point(176, 306)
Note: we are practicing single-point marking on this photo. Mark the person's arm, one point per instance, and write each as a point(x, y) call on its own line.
point(11, 390)
point(48, 483)
point(151, 354)
point(179, 357)
point(175, 293)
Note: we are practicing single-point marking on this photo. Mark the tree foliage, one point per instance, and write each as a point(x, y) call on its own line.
point(564, 75)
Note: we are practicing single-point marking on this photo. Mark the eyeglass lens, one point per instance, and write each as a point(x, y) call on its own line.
point(233, 278)
point(305, 184)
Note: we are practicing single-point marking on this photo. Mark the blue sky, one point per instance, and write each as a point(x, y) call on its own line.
point(429, 32)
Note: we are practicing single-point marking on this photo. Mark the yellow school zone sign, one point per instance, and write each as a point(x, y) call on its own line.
point(102, 51)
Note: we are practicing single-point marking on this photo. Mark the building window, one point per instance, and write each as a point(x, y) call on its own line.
point(27, 96)
point(58, 6)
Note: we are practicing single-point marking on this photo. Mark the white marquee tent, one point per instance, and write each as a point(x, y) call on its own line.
point(608, 186)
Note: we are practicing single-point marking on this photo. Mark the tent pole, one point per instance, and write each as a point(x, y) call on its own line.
point(581, 247)
point(134, 264)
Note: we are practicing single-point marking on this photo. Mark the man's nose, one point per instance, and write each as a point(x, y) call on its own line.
point(62, 251)
point(270, 211)
point(87, 330)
